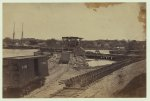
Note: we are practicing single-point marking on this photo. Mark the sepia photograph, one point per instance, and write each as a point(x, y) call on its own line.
point(74, 50)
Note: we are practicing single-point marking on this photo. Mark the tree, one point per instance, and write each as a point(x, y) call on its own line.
point(51, 42)
point(7, 40)
point(33, 42)
point(132, 45)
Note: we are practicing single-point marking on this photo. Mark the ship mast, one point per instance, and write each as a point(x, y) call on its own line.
point(14, 33)
point(22, 35)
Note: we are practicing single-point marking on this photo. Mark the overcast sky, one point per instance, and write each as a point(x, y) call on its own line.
point(45, 21)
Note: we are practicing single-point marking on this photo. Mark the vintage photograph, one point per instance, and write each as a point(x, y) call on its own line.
point(74, 50)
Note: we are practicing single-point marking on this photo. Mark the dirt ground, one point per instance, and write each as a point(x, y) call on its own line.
point(105, 87)
point(57, 73)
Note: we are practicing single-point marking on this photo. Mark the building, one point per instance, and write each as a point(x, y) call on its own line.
point(20, 71)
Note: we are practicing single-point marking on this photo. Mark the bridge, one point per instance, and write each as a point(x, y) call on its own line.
point(115, 57)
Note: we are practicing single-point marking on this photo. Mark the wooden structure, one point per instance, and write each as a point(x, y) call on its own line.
point(65, 57)
point(71, 42)
point(20, 72)
point(86, 79)
point(79, 51)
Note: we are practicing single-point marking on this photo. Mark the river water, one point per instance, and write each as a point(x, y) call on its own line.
point(101, 51)
point(18, 52)
point(93, 62)
point(25, 52)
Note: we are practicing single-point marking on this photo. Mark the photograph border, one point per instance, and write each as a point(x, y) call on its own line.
point(79, 1)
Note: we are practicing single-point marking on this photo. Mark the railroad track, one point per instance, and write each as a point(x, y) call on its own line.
point(77, 85)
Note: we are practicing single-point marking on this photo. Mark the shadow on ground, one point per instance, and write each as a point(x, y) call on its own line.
point(135, 88)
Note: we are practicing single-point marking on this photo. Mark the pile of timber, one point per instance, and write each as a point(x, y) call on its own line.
point(89, 77)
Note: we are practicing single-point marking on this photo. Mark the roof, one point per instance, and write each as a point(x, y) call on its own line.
point(71, 37)
point(26, 57)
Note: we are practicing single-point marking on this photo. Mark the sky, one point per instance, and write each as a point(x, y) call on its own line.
point(51, 20)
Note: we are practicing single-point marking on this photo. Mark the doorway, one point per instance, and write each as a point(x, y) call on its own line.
point(36, 67)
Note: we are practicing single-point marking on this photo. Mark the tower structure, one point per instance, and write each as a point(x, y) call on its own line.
point(71, 42)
